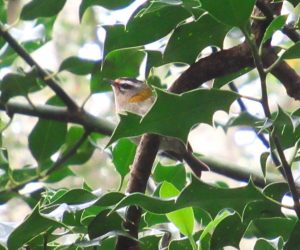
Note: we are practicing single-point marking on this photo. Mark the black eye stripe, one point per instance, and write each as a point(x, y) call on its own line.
point(126, 86)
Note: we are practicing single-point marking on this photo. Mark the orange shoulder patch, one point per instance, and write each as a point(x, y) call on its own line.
point(142, 96)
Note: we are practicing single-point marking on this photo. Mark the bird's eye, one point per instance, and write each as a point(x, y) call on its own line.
point(126, 86)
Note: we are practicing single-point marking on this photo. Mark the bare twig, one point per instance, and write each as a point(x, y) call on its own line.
point(88, 121)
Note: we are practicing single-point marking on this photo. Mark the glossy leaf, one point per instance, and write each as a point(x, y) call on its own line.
point(261, 209)
point(47, 137)
point(263, 162)
point(262, 244)
point(275, 25)
point(75, 196)
point(174, 174)
point(294, 240)
point(142, 29)
point(183, 218)
point(109, 4)
point(34, 225)
point(264, 228)
point(118, 63)
point(276, 191)
point(210, 227)
point(4, 168)
point(103, 223)
point(181, 244)
point(293, 52)
point(24, 174)
point(187, 40)
point(218, 198)
point(221, 81)
point(19, 85)
point(149, 242)
point(84, 152)
point(170, 108)
point(77, 65)
point(231, 12)
point(123, 155)
point(221, 236)
point(285, 129)
point(41, 8)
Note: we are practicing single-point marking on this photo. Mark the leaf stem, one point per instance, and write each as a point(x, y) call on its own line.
point(272, 130)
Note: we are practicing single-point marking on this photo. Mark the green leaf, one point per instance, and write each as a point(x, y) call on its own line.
point(285, 129)
point(292, 53)
point(123, 155)
point(109, 4)
point(173, 174)
point(263, 244)
point(34, 225)
point(3, 16)
point(4, 168)
point(19, 85)
point(263, 162)
point(261, 209)
point(170, 108)
point(103, 223)
point(183, 218)
point(189, 39)
point(181, 244)
point(47, 136)
point(143, 28)
point(150, 242)
point(244, 119)
point(221, 81)
point(276, 191)
point(74, 196)
point(24, 174)
point(77, 65)
point(110, 199)
point(294, 2)
point(264, 228)
point(293, 240)
point(275, 25)
point(59, 175)
point(221, 236)
point(213, 199)
point(213, 224)
point(154, 59)
point(209, 198)
point(84, 152)
point(41, 8)
point(231, 12)
point(118, 63)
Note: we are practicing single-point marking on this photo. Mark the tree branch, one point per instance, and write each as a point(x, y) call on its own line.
point(42, 73)
point(141, 170)
point(88, 121)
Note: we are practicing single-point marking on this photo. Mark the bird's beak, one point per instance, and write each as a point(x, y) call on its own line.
point(114, 83)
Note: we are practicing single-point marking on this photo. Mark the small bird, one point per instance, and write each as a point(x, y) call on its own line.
point(132, 95)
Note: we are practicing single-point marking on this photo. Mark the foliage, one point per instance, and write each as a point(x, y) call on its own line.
point(178, 210)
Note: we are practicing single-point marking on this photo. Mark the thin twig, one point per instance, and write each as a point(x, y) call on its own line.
point(56, 165)
point(272, 130)
point(70, 103)
point(67, 155)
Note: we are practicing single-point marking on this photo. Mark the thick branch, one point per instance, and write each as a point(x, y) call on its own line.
point(88, 121)
point(42, 73)
point(140, 173)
